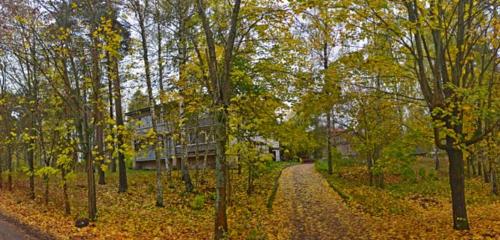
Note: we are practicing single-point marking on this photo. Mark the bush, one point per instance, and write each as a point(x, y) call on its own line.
point(150, 189)
point(432, 175)
point(421, 173)
point(198, 202)
point(256, 234)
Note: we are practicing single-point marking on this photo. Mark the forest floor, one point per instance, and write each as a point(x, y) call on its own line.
point(133, 215)
point(313, 209)
point(415, 205)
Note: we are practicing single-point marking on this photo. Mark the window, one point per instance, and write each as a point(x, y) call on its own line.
point(191, 138)
point(146, 121)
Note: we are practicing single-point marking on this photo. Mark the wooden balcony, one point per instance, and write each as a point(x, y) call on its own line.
point(193, 150)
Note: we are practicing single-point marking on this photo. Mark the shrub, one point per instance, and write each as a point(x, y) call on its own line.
point(198, 202)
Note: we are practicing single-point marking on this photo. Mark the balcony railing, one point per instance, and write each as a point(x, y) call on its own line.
point(192, 149)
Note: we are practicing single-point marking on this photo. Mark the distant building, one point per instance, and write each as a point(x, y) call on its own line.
point(199, 146)
point(268, 146)
point(340, 140)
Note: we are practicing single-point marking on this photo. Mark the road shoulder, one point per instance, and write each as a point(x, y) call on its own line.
point(19, 230)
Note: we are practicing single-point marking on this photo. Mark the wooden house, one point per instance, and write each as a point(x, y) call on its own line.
point(194, 140)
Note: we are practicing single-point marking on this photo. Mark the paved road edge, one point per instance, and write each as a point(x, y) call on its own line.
point(29, 230)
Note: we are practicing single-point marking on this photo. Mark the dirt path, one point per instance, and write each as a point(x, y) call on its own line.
point(10, 229)
point(312, 209)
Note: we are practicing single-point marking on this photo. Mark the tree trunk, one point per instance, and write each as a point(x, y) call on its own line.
point(379, 176)
point(46, 195)
point(221, 177)
point(140, 12)
point(369, 163)
point(174, 159)
point(9, 169)
point(221, 85)
point(469, 167)
point(1, 172)
point(98, 116)
point(122, 170)
point(102, 178)
point(85, 137)
point(494, 182)
point(329, 141)
point(457, 184)
point(479, 167)
point(436, 159)
point(67, 207)
point(250, 179)
point(168, 156)
point(197, 149)
point(31, 156)
point(486, 173)
point(493, 166)
point(186, 177)
point(111, 78)
point(229, 185)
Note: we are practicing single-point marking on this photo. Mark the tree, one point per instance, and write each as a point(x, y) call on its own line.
point(117, 37)
point(141, 11)
point(219, 75)
point(319, 35)
point(444, 45)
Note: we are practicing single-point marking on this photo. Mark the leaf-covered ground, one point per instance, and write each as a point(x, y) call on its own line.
point(133, 215)
point(419, 209)
point(312, 209)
